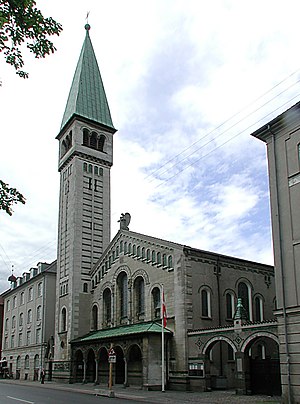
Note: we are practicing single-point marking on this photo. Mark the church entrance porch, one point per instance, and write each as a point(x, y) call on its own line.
point(137, 350)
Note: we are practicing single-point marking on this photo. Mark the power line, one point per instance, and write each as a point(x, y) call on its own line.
point(224, 123)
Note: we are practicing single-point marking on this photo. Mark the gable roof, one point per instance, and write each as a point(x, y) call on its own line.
point(87, 96)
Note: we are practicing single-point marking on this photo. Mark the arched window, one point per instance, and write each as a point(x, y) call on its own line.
point(244, 294)
point(125, 247)
point(134, 249)
point(93, 140)
point(123, 296)
point(205, 303)
point(138, 251)
point(129, 248)
point(36, 361)
point(95, 318)
point(26, 362)
point(156, 303)
point(121, 246)
point(101, 142)
point(107, 306)
point(6, 324)
point(143, 253)
point(21, 317)
point(164, 260)
point(85, 137)
point(29, 316)
point(153, 256)
point(39, 313)
point(63, 320)
point(259, 311)
point(229, 306)
point(85, 287)
point(148, 254)
point(30, 294)
point(139, 288)
point(170, 261)
point(13, 322)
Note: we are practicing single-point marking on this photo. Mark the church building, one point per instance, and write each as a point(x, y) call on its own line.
point(218, 329)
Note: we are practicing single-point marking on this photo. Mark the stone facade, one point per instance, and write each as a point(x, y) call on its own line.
point(282, 136)
point(28, 327)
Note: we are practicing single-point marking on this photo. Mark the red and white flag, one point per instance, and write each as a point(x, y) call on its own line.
point(164, 310)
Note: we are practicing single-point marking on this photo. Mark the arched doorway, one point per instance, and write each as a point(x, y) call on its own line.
point(90, 367)
point(36, 367)
point(119, 366)
point(78, 367)
point(220, 363)
point(103, 370)
point(263, 366)
point(135, 366)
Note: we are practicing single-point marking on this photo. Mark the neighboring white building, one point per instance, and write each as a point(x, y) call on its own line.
point(28, 321)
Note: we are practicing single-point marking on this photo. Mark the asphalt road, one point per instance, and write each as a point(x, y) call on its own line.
point(16, 394)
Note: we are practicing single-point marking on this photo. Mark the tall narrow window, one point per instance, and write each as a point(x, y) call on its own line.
point(101, 142)
point(21, 317)
point(95, 318)
point(107, 306)
point(123, 289)
point(243, 293)
point(156, 303)
point(29, 316)
point(39, 313)
point(259, 309)
point(85, 137)
point(26, 362)
point(205, 303)
point(139, 287)
point(229, 306)
point(63, 320)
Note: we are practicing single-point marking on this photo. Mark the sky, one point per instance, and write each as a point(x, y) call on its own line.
point(187, 83)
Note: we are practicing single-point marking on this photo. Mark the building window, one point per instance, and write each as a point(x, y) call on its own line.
point(85, 287)
point(14, 302)
point(38, 336)
point(170, 261)
point(6, 324)
point(205, 303)
point(13, 322)
point(63, 320)
point(156, 301)
point(95, 318)
point(123, 294)
point(107, 306)
point(20, 339)
point(153, 257)
point(29, 316)
point(21, 319)
point(139, 288)
point(12, 341)
point(244, 293)
point(39, 313)
point(40, 289)
point(22, 300)
point(148, 253)
point(18, 364)
point(8, 305)
point(30, 294)
point(5, 342)
point(164, 260)
point(26, 362)
point(28, 338)
point(159, 258)
point(229, 306)
point(259, 312)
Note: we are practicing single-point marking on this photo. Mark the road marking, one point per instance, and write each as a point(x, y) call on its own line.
point(19, 399)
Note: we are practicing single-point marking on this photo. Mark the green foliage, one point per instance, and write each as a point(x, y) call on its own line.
point(9, 196)
point(21, 21)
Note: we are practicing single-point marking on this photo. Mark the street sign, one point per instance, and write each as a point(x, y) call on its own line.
point(112, 358)
point(111, 352)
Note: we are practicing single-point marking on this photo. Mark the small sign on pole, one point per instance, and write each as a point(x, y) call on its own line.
point(112, 358)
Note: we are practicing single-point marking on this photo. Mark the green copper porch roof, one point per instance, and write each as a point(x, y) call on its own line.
point(125, 330)
point(87, 97)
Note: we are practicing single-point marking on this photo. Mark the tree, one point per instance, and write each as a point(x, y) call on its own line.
point(21, 21)
point(8, 197)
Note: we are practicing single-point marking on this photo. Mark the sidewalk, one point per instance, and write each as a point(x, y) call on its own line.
point(144, 396)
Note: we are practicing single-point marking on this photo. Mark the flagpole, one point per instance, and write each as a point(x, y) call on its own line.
point(162, 342)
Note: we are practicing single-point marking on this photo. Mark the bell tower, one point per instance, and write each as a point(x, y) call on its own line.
point(85, 158)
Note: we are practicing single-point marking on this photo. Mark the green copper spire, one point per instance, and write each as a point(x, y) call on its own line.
point(87, 96)
point(240, 313)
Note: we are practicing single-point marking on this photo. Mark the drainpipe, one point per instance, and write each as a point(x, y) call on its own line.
point(219, 313)
point(281, 273)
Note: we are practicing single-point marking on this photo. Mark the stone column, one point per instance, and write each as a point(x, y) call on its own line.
point(126, 373)
point(242, 373)
point(84, 371)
